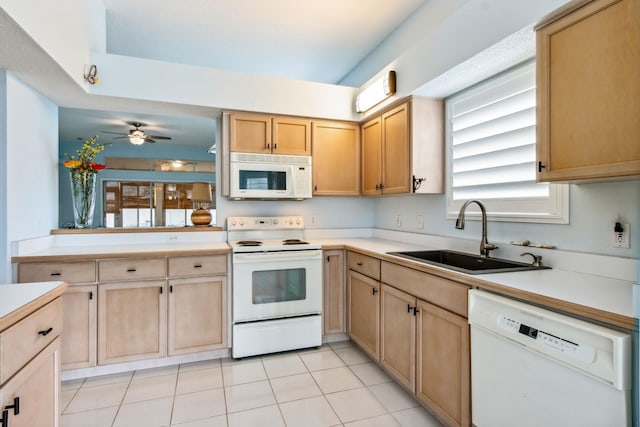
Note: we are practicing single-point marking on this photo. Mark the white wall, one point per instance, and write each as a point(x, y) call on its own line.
point(329, 212)
point(29, 165)
point(67, 30)
point(593, 207)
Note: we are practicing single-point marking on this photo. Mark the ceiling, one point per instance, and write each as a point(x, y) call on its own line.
point(314, 40)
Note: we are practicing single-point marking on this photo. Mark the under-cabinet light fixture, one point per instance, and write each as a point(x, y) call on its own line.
point(377, 92)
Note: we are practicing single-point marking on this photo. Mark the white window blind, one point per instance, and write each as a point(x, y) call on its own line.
point(492, 151)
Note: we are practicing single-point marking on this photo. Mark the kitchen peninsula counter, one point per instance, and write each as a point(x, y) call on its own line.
point(19, 300)
point(63, 253)
point(604, 299)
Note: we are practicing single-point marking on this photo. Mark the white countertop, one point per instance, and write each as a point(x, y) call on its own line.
point(14, 296)
point(148, 248)
point(616, 296)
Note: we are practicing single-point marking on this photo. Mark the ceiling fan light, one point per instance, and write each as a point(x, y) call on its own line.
point(136, 140)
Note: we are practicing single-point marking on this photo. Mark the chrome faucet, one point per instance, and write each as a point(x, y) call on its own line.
point(485, 246)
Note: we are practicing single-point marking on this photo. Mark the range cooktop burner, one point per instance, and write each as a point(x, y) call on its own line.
point(249, 243)
point(294, 242)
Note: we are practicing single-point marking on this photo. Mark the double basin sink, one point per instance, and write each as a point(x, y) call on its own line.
point(466, 263)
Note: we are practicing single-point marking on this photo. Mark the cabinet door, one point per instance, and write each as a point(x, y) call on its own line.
point(336, 159)
point(372, 157)
point(334, 292)
point(588, 78)
point(79, 323)
point(291, 136)
point(35, 387)
point(197, 314)
point(364, 312)
point(396, 151)
point(132, 322)
point(250, 133)
point(443, 376)
point(398, 335)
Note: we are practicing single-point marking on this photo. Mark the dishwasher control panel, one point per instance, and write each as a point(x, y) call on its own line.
point(581, 352)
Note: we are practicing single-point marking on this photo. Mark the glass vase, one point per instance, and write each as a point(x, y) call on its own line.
point(83, 194)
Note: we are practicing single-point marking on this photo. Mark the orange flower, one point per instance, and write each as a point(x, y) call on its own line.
point(72, 164)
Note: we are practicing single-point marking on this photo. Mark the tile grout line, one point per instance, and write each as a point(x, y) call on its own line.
point(122, 400)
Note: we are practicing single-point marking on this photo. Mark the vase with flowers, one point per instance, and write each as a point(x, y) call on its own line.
point(83, 171)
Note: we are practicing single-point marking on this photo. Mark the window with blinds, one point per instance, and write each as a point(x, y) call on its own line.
point(491, 138)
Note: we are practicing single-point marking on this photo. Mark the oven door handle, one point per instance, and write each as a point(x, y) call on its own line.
point(277, 256)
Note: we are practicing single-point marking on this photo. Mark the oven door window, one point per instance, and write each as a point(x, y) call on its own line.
point(272, 286)
point(262, 180)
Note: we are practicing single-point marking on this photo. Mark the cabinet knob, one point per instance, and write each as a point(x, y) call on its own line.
point(45, 332)
point(415, 311)
point(197, 266)
point(4, 421)
point(56, 274)
point(541, 166)
point(374, 291)
point(15, 407)
point(359, 264)
point(131, 270)
point(409, 308)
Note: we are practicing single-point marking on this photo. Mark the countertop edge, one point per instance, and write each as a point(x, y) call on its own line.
point(23, 311)
point(111, 255)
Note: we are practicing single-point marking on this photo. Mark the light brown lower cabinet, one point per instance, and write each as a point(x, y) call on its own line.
point(132, 321)
point(363, 296)
point(443, 358)
point(197, 314)
point(398, 335)
point(35, 389)
point(334, 292)
point(79, 318)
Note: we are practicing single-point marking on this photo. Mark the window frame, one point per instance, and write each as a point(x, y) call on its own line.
point(553, 209)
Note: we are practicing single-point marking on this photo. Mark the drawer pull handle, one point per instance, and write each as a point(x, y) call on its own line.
point(359, 264)
point(45, 332)
point(131, 270)
point(15, 406)
point(90, 295)
point(409, 308)
point(374, 291)
point(56, 274)
point(4, 421)
point(415, 311)
point(197, 266)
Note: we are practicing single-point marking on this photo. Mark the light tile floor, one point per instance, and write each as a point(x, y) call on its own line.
point(334, 385)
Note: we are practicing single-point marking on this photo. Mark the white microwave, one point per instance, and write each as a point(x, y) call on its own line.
point(269, 176)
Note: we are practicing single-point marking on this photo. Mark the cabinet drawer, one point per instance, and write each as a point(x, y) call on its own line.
point(70, 272)
point(25, 339)
point(364, 264)
point(131, 269)
point(445, 293)
point(205, 265)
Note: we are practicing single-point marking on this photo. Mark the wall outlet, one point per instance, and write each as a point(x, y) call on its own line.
point(314, 220)
point(620, 239)
point(398, 220)
point(420, 222)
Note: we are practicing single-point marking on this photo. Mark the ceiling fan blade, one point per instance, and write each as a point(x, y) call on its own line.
point(116, 133)
point(120, 137)
point(158, 137)
point(147, 139)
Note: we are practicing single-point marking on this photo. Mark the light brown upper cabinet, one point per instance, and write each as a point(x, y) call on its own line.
point(336, 158)
point(403, 148)
point(255, 133)
point(588, 82)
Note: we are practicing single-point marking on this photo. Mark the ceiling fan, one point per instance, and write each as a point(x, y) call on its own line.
point(137, 136)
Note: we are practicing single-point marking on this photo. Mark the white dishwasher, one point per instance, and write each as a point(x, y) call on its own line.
point(532, 367)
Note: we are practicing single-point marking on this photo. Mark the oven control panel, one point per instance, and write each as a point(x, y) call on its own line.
point(295, 222)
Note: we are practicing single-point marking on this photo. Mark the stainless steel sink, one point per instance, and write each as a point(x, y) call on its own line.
point(466, 263)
